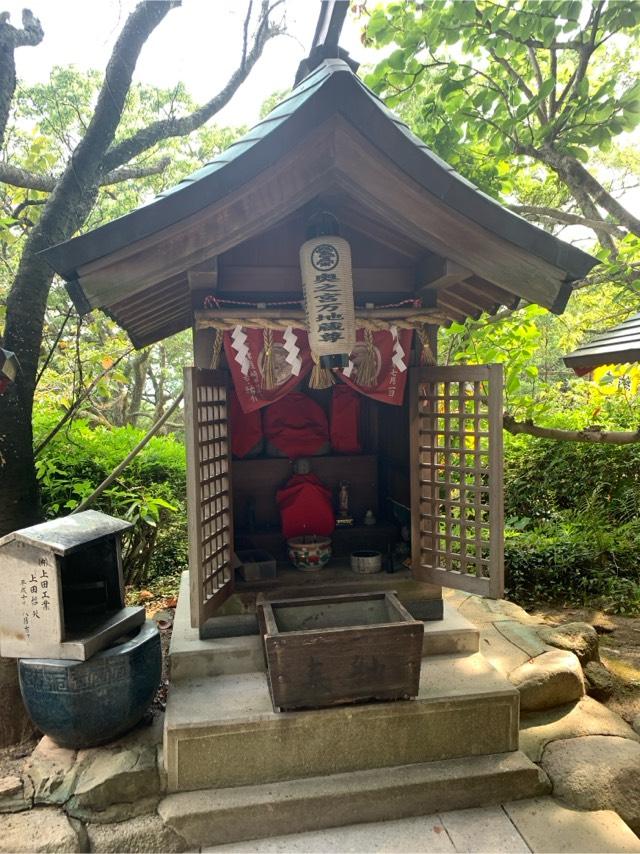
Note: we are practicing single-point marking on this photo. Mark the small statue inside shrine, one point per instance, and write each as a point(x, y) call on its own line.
point(344, 520)
point(305, 504)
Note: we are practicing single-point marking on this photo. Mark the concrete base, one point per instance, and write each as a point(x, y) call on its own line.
point(191, 656)
point(223, 731)
point(217, 816)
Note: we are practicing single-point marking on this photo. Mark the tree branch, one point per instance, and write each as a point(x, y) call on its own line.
point(582, 183)
point(43, 183)
point(74, 195)
point(11, 38)
point(594, 435)
point(162, 129)
point(566, 218)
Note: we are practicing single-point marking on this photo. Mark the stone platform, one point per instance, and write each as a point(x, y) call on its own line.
point(221, 730)
point(538, 825)
point(218, 816)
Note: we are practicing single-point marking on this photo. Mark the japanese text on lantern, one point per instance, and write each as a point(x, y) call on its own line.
point(24, 598)
point(45, 599)
point(328, 286)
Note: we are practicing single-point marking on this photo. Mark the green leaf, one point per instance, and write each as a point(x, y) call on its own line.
point(582, 88)
point(547, 88)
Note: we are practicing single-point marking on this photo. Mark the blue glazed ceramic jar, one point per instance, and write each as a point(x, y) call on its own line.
point(83, 704)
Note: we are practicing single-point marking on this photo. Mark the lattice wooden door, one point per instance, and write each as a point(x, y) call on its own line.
point(456, 477)
point(209, 505)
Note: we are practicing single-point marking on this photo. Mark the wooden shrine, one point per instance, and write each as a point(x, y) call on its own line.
point(220, 253)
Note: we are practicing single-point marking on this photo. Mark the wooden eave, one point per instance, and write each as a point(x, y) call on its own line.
point(330, 134)
point(620, 345)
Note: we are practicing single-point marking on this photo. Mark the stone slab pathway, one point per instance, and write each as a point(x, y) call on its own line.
point(537, 825)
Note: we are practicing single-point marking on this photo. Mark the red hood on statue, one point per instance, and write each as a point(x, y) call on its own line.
point(306, 507)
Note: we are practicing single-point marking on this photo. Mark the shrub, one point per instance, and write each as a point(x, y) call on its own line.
point(150, 492)
point(544, 477)
point(573, 520)
point(577, 558)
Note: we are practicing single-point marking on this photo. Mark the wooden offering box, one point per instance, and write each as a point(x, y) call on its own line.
point(330, 650)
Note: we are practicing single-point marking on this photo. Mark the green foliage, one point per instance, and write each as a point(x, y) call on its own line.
point(504, 76)
point(149, 493)
point(47, 121)
point(517, 96)
point(573, 510)
point(512, 341)
point(578, 559)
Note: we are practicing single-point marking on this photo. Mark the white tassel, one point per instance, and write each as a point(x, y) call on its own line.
point(398, 351)
point(239, 339)
point(293, 351)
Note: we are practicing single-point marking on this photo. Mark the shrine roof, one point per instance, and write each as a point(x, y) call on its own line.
point(349, 95)
point(92, 263)
point(619, 345)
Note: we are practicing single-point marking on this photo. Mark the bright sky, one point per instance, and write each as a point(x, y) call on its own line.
point(198, 43)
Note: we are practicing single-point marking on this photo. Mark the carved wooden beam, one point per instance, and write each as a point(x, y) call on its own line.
point(204, 277)
point(433, 273)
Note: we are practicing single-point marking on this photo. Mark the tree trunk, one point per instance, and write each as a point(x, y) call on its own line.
point(139, 371)
point(20, 494)
point(14, 727)
point(579, 179)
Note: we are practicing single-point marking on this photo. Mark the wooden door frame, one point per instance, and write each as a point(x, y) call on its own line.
point(493, 586)
point(201, 608)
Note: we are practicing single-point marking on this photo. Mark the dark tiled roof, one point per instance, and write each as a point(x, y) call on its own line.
point(331, 88)
point(618, 346)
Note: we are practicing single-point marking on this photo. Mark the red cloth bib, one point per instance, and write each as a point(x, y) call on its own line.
point(245, 429)
point(296, 426)
point(345, 420)
point(305, 507)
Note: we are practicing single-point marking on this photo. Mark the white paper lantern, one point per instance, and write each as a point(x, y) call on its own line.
point(327, 282)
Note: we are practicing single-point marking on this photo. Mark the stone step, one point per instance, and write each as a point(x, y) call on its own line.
point(219, 816)
point(191, 656)
point(539, 825)
point(222, 731)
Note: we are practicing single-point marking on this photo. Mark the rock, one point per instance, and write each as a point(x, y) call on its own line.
point(51, 773)
point(524, 638)
point(597, 772)
point(600, 683)
point(110, 783)
point(482, 611)
point(586, 717)
point(635, 724)
point(39, 830)
point(500, 652)
point(580, 638)
point(551, 679)
point(603, 624)
point(147, 833)
point(116, 783)
point(12, 797)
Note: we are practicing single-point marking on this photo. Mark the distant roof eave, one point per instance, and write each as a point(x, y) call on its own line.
point(619, 345)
